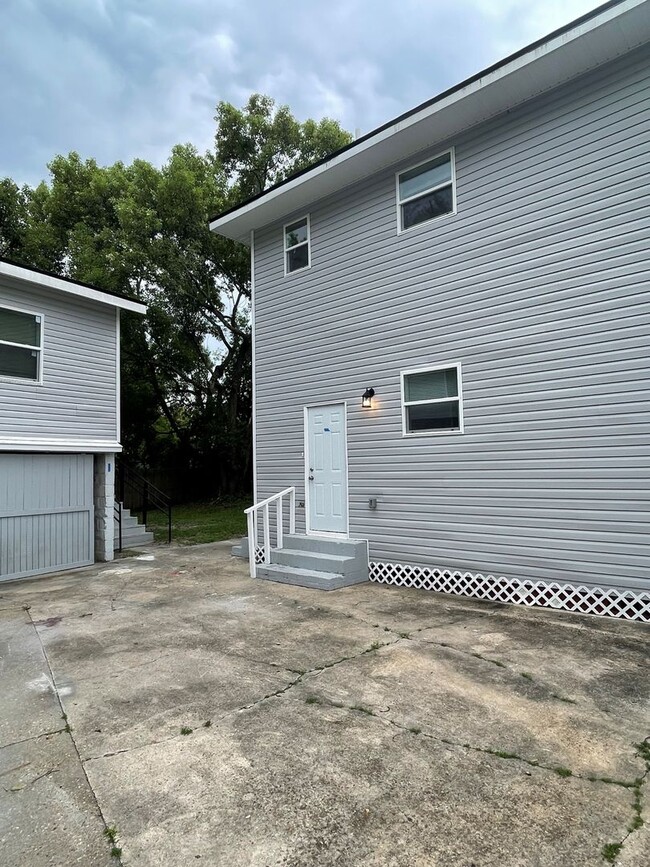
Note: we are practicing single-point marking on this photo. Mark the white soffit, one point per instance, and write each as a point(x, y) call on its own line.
point(43, 444)
point(608, 34)
point(49, 281)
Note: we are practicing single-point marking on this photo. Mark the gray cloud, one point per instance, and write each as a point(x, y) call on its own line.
point(118, 79)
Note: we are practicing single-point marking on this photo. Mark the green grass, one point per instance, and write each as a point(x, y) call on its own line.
point(196, 523)
point(611, 851)
point(111, 832)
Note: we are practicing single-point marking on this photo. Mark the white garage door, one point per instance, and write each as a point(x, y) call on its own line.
point(46, 513)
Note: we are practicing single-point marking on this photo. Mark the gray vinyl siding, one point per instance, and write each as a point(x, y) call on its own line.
point(539, 287)
point(78, 396)
point(46, 513)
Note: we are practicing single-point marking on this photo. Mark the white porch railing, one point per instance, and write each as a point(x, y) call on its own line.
point(252, 514)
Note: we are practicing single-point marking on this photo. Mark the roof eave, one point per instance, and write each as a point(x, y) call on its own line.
point(49, 281)
point(610, 32)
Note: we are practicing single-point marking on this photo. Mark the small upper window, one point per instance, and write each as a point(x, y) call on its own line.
point(21, 344)
point(296, 246)
point(426, 191)
point(431, 400)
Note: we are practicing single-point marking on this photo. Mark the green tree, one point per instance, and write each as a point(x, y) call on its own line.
point(261, 145)
point(13, 218)
point(143, 231)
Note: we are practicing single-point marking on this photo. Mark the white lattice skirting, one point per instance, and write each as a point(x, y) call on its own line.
point(582, 600)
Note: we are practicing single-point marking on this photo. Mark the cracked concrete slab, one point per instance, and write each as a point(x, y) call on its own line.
point(636, 849)
point(345, 789)
point(48, 814)
point(29, 706)
point(337, 721)
point(225, 652)
point(466, 699)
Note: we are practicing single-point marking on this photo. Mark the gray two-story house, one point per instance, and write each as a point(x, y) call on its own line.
point(59, 421)
point(452, 336)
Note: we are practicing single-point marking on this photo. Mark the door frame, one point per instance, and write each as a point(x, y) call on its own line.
point(306, 408)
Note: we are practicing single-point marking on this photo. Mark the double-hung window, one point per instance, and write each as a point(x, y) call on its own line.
point(297, 254)
point(432, 400)
point(21, 344)
point(426, 191)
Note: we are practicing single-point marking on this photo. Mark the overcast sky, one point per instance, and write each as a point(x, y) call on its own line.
point(118, 79)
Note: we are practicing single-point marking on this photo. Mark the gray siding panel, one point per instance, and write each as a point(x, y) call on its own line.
point(46, 513)
point(539, 287)
point(78, 396)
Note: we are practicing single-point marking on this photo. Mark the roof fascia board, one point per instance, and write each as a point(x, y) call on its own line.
point(47, 281)
point(528, 74)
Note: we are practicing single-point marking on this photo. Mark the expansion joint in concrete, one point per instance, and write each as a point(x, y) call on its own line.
point(637, 821)
point(67, 729)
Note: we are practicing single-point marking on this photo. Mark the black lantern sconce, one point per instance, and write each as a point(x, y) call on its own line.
point(366, 398)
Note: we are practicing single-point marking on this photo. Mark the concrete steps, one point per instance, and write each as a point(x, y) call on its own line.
point(241, 549)
point(134, 535)
point(317, 562)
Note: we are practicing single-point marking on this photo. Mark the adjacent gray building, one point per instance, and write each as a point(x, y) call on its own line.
point(59, 421)
point(481, 264)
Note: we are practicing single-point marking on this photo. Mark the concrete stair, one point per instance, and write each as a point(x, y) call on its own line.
point(241, 549)
point(134, 535)
point(317, 562)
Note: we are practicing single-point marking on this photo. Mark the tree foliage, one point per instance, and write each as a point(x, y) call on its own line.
point(143, 231)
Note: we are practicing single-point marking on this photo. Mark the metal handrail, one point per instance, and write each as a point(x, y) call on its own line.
point(150, 494)
point(251, 518)
point(132, 477)
point(117, 513)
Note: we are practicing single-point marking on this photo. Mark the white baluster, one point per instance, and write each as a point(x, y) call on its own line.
point(252, 543)
point(279, 540)
point(292, 511)
point(267, 535)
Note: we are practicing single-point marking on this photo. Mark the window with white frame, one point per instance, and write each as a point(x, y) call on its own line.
point(432, 400)
point(21, 344)
point(296, 246)
point(426, 191)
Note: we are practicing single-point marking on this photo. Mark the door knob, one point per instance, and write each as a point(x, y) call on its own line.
point(311, 478)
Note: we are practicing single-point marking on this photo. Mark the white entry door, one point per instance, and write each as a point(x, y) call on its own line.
point(326, 469)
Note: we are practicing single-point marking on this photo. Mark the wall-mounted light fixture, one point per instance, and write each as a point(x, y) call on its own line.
point(366, 398)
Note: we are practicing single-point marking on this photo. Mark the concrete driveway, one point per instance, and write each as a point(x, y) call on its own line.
point(206, 718)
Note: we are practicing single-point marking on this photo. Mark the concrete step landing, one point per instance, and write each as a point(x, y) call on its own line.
point(134, 534)
point(317, 562)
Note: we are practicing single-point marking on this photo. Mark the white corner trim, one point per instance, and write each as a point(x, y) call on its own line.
point(45, 444)
point(253, 377)
point(47, 281)
point(118, 376)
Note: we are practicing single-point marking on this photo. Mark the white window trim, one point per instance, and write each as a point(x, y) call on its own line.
point(23, 380)
point(286, 249)
point(427, 433)
point(399, 202)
